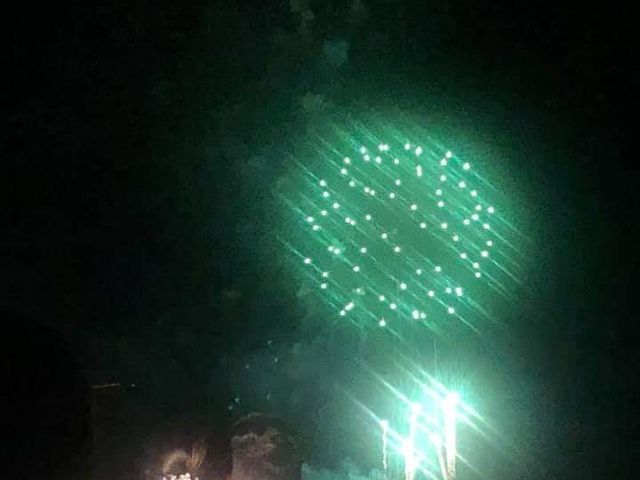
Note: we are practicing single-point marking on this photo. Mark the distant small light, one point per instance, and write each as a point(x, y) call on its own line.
point(378, 160)
point(363, 149)
point(462, 184)
point(356, 269)
point(439, 192)
point(419, 151)
point(324, 213)
point(326, 194)
point(407, 146)
point(363, 250)
point(384, 236)
point(352, 183)
point(397, 249)
point(367, 158)
point(323, 183)
point(325, 274)
point(372, 192)
point(392, 195)
point(347, 160)
point(423, 225)
point(486, 226)
point(443, 178)
point(423, 315)
point(443, 162)
point(336, 205)
point(489, 243)
point(359, 291)
point(396, 161)
point(382, 323)
point(456, 238)
point(349, 306)
point(451, 310)
point(393, 306)
point(444, 225)
point(475, 265)
point(414, 207)
point(466, 221)
point(323, 286)
point(448, 154)
point(307, 261)
point(463, 255)
point(419, 271)
point(478, 208)
point(459, 291)
point(403, 286)
point(310, 219)
point(416, 315)
point(438, 268)
point(316, 227)
point(475, 216)
point(343, 171)
point(431, 293)
point(381, 298)
point(347, 220)
point(336, 251)
point(367, 189)
point(466, 166)
point(474, 193)
point(331, 248)
point(441, 204)
point(342, 313)
point(490, 210)
point(478, 274)
point(398, 182)
point(419, 170)
point(448, 290)
point(484, 253)
point(381, 147)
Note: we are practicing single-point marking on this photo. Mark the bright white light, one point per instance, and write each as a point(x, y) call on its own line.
point(323, 286)
point(343, 171)
point(373, 193)
point(436, 440)
point(466, 166)
point(451, 310)
point(392, 195)
point(326, 194)
point(431, 293)
point(441, 204)
point(336, 205)
point(486, 226)
point(462, 185)
point(463, 256)
point(490, 210)
point(316, 227)
point(352, 183)
point(456, 238)
point(367, 217)
point(325, 274)
point(383, 323)
point(384, 236)
point(419, 170)
point(478, 274)
point(310, 219)
point(349, 306)
point(452, 399)
point(336, 251)
point(367, 189)
point(474, 193)
point(398, 182)
point(423, 225)
point(475, 216)
point(342, 313)
point(396, 161)
point(331, 248)
point(459, 291)
point(393, 306)
point(438, 269)
point(444, 225)
point(363, 149)
point(378, 160)
point(307, 261)
point(363, 250)
point(419, 151)
point(484, 253)
point(475, 265)
point(381, 298)
point(403, 286)
point(323, 183)
point(347, 160)
point(367, 158)
point(356, 269)
point(414, 207)
point(478, 208)
point(448, 154)
point(418, 271)
point(407, 146)
point(396, 249)
point(324, 213)
point(443, 178)
point(448, 290)
point(381, 147)
point(423, 315)
point(415, 314)
point(347, 220)
point(443, 162)
point(438, 192)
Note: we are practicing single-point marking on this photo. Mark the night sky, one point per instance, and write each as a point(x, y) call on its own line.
point(142, 147)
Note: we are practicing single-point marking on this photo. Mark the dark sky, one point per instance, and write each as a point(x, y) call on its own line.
point(133, 227)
